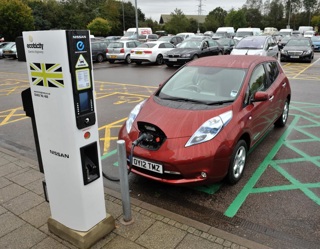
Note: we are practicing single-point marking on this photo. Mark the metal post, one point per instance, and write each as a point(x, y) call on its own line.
point(124, 183)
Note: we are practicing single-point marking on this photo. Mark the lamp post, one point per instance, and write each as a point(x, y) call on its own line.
point(288, 26)
point(124, 27)
point(137, 28)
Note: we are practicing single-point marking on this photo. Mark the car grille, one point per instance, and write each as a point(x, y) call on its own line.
point(173, 55)
point(295, 53)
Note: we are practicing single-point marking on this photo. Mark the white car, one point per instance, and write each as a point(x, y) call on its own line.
point(120, 50)
point(257, 45)
point(150, 52)
point(309, 33)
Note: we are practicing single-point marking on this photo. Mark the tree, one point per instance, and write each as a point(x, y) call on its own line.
point(178, 22)
point(99, 27)
point(15, 17)
point(236, 19)
point(253, 18)
point(215, 19)
point(275, 15)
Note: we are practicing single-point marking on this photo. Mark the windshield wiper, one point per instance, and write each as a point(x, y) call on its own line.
point(221, 102)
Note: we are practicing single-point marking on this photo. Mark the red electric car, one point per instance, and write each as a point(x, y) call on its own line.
point(198, 126)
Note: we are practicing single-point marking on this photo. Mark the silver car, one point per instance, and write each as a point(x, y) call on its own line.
point(120, 50)
point(257, 45)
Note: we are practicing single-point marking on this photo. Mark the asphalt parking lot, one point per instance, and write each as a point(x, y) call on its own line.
point(277, 201)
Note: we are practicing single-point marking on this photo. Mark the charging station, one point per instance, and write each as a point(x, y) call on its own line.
point(62, 95)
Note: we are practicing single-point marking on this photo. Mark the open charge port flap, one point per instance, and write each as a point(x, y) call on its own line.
point(90, 163)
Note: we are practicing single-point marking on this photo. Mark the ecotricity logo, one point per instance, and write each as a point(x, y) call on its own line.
point(34, 45)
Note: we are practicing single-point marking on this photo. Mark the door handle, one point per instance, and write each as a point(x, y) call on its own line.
point(271, 98)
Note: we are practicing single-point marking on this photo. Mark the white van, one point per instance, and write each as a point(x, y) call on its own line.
point(244, 32)
point(229, 30)
point(131, 33)
point(270, 30)
point(286, 32)
point(303, 29)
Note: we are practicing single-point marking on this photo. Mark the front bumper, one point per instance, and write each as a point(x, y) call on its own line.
point(176, 61)
point(195, 165)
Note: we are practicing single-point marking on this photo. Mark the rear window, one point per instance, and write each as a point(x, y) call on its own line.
point(147, 45)
point(115, 45)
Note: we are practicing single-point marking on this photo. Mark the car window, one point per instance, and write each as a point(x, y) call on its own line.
point(95, 46)
point(212, 43)
point(272, 71)
point(162, 45)
point(258, 80)
point(115, 45)
point(169, 45)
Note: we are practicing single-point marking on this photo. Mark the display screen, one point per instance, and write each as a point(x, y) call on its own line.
point(84, 101)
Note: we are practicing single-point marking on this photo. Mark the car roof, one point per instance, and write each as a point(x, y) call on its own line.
point(231, 61)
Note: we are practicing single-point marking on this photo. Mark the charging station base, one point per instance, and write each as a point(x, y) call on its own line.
point(82, 240)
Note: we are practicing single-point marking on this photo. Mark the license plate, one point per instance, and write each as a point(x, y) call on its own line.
point(154, 167)
point(138, 52)
point(294, 57)
point(113, 56)
point(172, 59)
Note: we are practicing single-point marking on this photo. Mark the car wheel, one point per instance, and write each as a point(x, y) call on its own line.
point(282, 120)
point(99, 58)
point(128, 59)
point(237, 163)
point(159, 59)
point(111, 61)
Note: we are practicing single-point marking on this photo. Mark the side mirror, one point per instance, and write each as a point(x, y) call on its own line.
point(260, 96)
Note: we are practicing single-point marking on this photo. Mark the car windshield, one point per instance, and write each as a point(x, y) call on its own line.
point(295, 42)
point(244, 33)
point(164, 38)
point(205, 85)
point(115, 45)
point(190, 44)
point(315, 38)
point(224, 42)
point(251, 43)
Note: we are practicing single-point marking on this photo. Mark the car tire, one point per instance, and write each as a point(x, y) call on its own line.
point(169, 65)
point(128, 59)
point(100, 58)
point(237, 162)
point(111, 61)
point(159, 59)
point(282, 120)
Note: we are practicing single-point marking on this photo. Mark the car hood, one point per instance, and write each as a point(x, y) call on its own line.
point(176, 122)
point(296, 48)
point(246, 51)
point(183, 50)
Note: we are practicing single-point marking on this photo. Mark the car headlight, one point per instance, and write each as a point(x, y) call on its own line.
point(186, 55)
point(283, 51)
point(209, 129)
point(133, 115)
point(307, 52)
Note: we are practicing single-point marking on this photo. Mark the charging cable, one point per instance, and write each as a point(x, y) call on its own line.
point(134, 144)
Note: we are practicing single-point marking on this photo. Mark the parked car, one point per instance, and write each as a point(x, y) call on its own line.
point(309, 33)
point(192, 48)
point(316, 43)
point(220, 35)
point(2, 45)
point(10, 51)
point(228, 44)
point(174, 39)
point(195, 129)
point(120, 50)
point(257, 45)
point(112, 38)
point(151, 52)
point(283, 41)
point(98, 50)
point(185, 34)
point(148, 37)
point(298, 49)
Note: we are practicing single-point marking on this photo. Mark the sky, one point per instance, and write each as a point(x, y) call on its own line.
point(155, 8)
